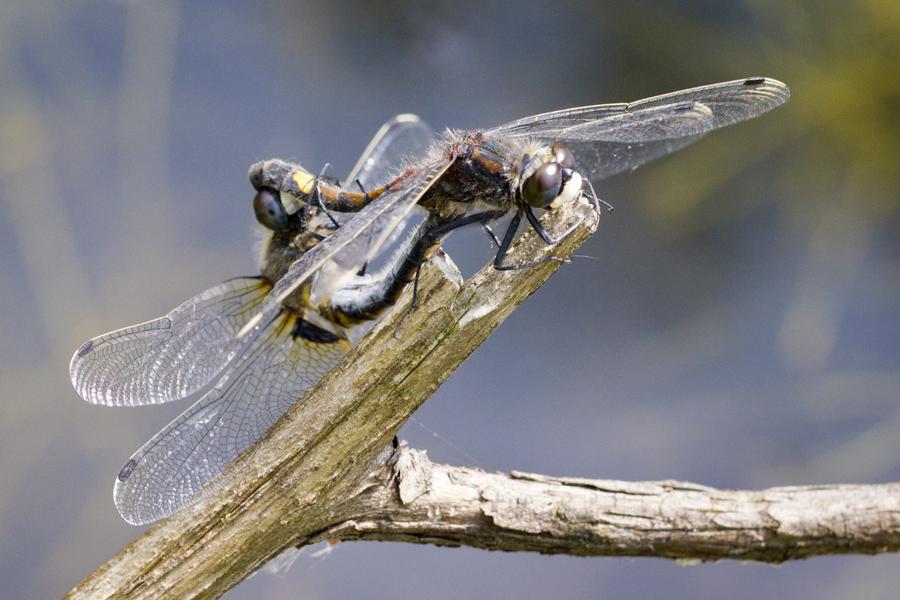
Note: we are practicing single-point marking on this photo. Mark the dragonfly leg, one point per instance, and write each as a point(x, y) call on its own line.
point(412, 305)
point(511, 233)
point(596, 201)
point(532, 220)
point(490, 233)
point(316, 199)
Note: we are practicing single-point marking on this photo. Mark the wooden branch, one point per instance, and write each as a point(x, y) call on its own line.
point(329, 470)
point(424, 503)
point(308, 474)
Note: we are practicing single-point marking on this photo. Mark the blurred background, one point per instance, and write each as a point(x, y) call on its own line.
point(737, 326)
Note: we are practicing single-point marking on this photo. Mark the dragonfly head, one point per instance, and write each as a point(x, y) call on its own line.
point(282, 190)
point(555, 182)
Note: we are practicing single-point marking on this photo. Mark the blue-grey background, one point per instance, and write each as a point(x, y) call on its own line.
point(738, 327)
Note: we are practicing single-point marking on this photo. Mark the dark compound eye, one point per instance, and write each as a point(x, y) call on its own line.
point(542, 188)
point(269, 211)
point(563, 157)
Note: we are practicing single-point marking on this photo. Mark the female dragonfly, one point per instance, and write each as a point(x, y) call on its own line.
point(258, 380)
point(273, 338)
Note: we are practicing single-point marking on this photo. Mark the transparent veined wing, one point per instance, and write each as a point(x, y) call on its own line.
point(340, 256)
point(180, 465)
point(171, 357)
point(403, 136)
point(610, 138)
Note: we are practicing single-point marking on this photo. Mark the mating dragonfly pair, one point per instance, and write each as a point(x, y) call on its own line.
point(265, 341)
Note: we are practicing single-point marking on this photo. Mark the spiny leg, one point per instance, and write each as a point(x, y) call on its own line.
point(433, 237)
point(536, 225)
point(314, 199)
point(507, 240)
point(596, 202)
point(490, 233)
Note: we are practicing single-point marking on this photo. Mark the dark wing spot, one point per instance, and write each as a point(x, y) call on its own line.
point(754, 80)
point(313, 333)
point(86, 347)
point(683, 106)
point(127, 469)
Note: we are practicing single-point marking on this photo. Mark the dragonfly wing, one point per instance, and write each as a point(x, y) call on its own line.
point(179, 465)
point(609, 138)
point(596, 160)
point(340, 256)
point(169, 358)
point(363, 236)
point(402, 136)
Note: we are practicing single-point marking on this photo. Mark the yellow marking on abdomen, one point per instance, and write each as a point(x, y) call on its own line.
point(304, 180)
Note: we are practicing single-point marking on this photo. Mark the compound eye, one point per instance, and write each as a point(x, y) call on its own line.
point(269, 211)
point(542, 188)
point(563, 157)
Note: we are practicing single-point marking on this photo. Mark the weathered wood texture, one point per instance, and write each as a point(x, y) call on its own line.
point(329, 470)
point(309, 471)
point(437, 504)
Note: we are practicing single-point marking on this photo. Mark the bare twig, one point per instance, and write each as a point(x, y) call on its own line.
point(424, 503)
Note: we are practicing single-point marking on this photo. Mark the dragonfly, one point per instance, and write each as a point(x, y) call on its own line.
point(256, 379)
point(477, 177)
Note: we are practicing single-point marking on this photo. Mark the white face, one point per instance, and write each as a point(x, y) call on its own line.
point(554, 183)
point(570, 191)
point(290, 203)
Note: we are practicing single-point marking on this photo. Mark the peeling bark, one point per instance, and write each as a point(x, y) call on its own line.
point(455, 506)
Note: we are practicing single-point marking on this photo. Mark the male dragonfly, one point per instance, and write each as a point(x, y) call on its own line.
point(479, 176)
point(264, 376)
